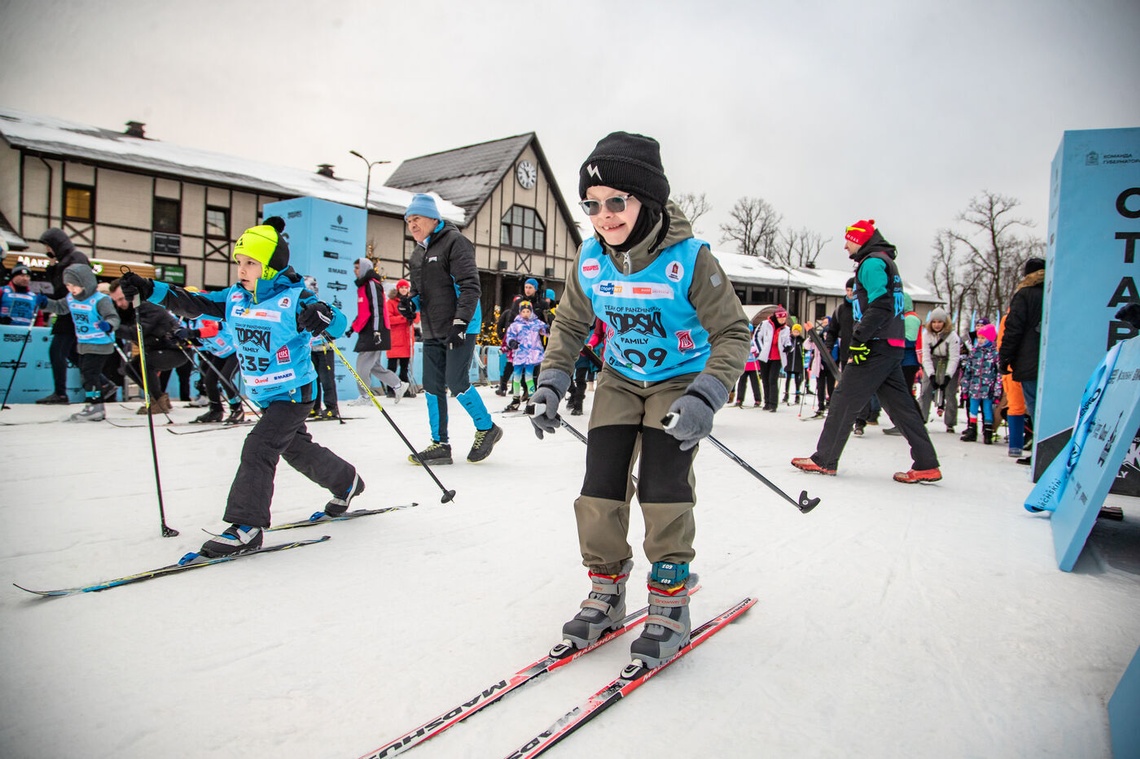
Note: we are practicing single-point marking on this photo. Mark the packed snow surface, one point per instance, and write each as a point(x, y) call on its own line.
point(893, 620)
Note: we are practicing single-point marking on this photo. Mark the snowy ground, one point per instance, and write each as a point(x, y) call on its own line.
point(893, 621)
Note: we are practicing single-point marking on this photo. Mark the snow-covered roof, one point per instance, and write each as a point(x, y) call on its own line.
point(65, 139)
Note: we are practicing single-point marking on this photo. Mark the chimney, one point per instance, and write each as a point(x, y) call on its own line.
point(135, 129)
point(325, 170)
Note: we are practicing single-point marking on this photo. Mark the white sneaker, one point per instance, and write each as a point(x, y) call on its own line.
point(199, 402)
point(363, 400)
point(398, 391)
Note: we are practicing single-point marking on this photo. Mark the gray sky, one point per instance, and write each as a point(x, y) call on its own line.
point(832, 112)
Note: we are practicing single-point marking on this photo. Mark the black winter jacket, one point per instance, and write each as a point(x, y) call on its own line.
point(65, 254)
point(436, 273)
point(1021, 341)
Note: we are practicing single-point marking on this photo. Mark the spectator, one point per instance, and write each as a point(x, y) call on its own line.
point(18, 304)
point(162, 352)
point(772, 338)
point(325, 367)
point(59, 247)
point(982, 381)
point(941, 352)
point(795, 363)
point(403, 338)
point(372, 337)
point(445, 290)
point(1021, 344)
point(524, 338)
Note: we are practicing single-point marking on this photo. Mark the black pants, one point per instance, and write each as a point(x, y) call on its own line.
point(749, 375)
point(225, 367)
point(824, 387)
point(797, 378)
point(881, 373)
point(158, 360)
point(770, 378)
point(400, 366)
point(62, 350)
point(280, 433)
point(326, 379)
point(91, 370)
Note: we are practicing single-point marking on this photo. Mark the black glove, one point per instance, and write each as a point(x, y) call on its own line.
point(512, 344)
point(406, 308)
point(316, 318)
point(859, 353)
point(132, 285)
point(349, 333)
point(1004, 367)
point(458, 334)
point(186, 335)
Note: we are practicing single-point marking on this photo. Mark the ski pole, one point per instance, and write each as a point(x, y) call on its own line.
point(447, 494)
point(540, 408)
point(804, 504)
point(167, 532)
point(16, 368)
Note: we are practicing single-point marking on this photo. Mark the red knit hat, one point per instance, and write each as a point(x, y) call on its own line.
point(860, 232)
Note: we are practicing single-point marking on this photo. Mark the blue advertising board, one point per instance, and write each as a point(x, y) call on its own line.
point(324, 240)
point(1077, 481)
point(27, 367)
point(1091, 271)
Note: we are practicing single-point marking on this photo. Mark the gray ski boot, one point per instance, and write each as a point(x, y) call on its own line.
point(668, 626)
point(602, 610)
point(92, 412)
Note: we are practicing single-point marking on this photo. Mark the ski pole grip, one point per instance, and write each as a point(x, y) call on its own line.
point(669, 421)
point(536, 409)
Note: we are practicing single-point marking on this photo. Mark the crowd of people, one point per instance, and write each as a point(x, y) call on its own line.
point(648, 319)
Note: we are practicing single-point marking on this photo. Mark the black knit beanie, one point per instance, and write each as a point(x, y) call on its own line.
point(629, 162)
point(1033, 264)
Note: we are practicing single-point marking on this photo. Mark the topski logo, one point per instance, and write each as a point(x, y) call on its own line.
point(643, 323)
point(592, 170)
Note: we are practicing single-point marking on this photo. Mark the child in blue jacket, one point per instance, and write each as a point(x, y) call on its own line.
point(272, 318)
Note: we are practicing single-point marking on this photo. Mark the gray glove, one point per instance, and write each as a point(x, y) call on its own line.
point(690, 418)
point(552, 387)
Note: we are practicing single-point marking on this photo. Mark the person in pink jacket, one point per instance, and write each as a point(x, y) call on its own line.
point(371, 328)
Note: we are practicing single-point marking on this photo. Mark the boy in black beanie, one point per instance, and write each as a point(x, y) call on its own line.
point(678, 339)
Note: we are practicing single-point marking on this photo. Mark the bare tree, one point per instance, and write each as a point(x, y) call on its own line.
point(976, 267)
point(945, 273)
point(800, 247)
point(754, 227)
point(693, 206)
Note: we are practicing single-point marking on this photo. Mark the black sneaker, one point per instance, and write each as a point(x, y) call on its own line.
point(435, 454)
point(237, 538)
point(213, 416)
point(484, 442)
point(55, 399)
point(237, 415)
point(337, 506)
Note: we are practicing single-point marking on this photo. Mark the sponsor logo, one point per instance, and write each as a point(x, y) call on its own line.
point(685, 341)
point(337, 286)
point(593, 171)
point(339, 271)
point(606, 288)
point(645, 323)
point(285, 302)
point(674, 272)
point(293, 215)
point(258, 314)
point(247, 336)
point(13, 338)
point(331, 254)
point(283, 355)
point(591, 268)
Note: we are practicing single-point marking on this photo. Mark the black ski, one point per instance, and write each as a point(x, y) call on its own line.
point(169, 569)
point(322, 518)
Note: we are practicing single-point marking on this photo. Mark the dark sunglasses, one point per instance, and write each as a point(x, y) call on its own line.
point(616, 204)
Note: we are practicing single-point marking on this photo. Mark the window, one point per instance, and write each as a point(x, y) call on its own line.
point(521, 228)
point(167, 216)
point(78, 202)
point(218, 222)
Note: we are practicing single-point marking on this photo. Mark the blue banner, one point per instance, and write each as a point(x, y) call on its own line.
point(1091, 271)
point(324, 240)
point(1077, 481)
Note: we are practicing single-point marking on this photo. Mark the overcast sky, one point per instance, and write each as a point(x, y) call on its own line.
point(832, 112)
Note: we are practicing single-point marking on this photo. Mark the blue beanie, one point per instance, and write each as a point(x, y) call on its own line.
point(423, 205)
point(532, 282)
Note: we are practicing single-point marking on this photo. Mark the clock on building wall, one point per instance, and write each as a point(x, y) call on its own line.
point(527, 174)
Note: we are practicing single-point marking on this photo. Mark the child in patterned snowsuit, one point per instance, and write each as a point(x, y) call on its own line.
point(982, 384)
point(524, 338)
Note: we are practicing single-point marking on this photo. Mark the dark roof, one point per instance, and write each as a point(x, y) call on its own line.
point(467, 176)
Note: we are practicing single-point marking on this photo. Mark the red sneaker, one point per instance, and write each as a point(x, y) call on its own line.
point(919, 475)
point(808, 465)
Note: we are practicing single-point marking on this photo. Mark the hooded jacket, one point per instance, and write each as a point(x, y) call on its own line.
point(878, 305)
point(103, 307)
point(941, 351)
point(371, 323)
point(65, 254)
point(711, 295)
point(1021, 342)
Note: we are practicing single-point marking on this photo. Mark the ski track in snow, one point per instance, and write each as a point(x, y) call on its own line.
point(893, 620)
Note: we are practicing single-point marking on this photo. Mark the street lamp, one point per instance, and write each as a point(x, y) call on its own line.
point(368, 181)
